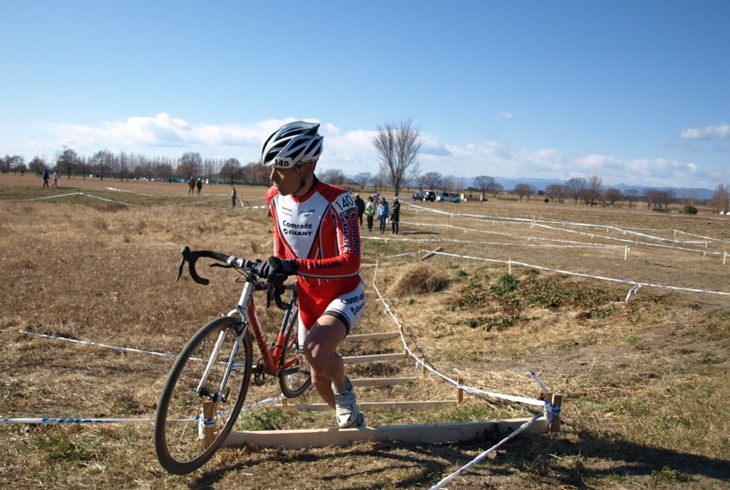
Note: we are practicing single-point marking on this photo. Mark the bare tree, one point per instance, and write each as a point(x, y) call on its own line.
point(576, 186)
point(144, 168)
point(431, 180)
point(230, 170)
point(334, 176)
point(592, 191)
point(190, 165)
point(37, 165)
point(557, 192)
point(631, 196)
point(67, 161)
point(495, 188)
point(612, 195)
point(16, 163)
point(255, 173)
point(379, 180)
point(362, 179)
point(720, 199)
point(658, 199)
point(482, 183)
point(523, 190)
point(102, 163)
point(398, 146)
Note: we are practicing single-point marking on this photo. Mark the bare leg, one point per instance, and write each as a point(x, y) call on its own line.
point(320, 349)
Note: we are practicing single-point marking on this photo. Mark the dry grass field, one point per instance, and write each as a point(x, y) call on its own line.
point(645, 381)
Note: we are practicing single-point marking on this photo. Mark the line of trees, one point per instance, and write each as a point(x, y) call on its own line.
point(105, 164)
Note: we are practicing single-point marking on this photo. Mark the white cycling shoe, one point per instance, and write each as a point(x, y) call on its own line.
point(346, 411)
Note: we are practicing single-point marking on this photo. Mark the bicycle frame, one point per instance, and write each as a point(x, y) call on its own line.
point(246, 309)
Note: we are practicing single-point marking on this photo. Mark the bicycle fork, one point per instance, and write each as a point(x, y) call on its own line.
point(221, 394)
point(207, 416)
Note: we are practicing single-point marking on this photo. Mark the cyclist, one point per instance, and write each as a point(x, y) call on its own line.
point(316, 238)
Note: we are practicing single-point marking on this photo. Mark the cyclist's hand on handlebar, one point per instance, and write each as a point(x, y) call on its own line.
point(276, 266)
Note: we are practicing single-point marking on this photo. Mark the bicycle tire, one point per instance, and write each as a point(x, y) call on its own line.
point(177, 442)
point(296, 379)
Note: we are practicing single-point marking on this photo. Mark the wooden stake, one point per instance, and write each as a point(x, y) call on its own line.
point(208, 430)
point(460, 392)
point(557, 401)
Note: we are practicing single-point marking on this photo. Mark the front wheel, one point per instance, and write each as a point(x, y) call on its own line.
point(179, 421)
point(295, 378)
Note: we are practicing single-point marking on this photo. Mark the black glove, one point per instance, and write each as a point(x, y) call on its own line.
point(277, 266)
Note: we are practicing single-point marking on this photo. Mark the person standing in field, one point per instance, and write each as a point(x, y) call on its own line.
point(45, 177)
point(191, 185)
point(395, 216)
point(199, 185)
point(233, 197)
point(316, 239)
point(360, 205)
point(370, 212)
point(383, 210)
point(55, 179)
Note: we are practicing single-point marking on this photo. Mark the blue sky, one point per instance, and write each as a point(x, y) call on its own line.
point(633, 91)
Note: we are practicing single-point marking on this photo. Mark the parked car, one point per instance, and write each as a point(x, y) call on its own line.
point(447, 197)
point(424, 196)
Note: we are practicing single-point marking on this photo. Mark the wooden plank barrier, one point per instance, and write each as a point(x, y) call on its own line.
point(359, 337)
point(375, 358)
point(387, 405)
point(412, 434)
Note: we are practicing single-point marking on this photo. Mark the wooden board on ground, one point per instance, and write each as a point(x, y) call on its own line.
point(412, 434)
point(389, 405)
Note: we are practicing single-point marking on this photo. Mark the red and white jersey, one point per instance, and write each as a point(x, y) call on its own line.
point(321, 231)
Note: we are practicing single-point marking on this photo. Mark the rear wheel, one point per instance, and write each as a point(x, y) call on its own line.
point(179, 420)
point(295, 379)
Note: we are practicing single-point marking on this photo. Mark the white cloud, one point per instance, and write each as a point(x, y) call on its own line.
point(720, 131)
point(161, 131)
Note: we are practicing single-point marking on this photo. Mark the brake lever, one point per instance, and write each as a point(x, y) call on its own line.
point(185, 256)
point(180, 269)
point(191, 259)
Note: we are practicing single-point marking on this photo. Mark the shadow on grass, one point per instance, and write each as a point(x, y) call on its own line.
point(538, 460)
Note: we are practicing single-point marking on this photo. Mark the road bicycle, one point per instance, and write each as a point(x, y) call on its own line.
point(207, 385)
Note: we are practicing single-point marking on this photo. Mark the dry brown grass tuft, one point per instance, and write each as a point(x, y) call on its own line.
point(418, 279)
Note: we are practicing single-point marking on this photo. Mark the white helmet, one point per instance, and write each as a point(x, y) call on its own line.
point(292, 144)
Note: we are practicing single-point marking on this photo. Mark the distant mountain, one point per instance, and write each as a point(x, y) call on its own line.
point(540, 184)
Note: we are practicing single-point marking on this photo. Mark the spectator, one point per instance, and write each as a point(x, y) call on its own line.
point(199, 185)
point(370, 212)
point(360, 205)
point(383, 211)
point(45, 177)
point(233, 197)
point(395, 216)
